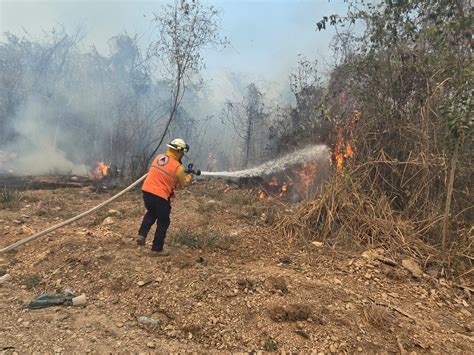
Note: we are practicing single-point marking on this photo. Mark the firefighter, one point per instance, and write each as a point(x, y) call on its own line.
point(165, 175)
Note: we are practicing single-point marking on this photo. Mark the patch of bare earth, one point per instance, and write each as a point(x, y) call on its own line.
point(232, 283)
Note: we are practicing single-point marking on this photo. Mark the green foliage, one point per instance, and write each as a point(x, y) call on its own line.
point(270, 344)
point(410, 76)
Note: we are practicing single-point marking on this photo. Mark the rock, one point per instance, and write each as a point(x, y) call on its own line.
point(74, 178)
point(465, 312)
point(26, 230)
point(317, 244)
point(148, 321)
point(150, 344)
point(5, 278)
point(333, 349)
point(108, 221)
point(413, 267)
point(25, 324)
point(114, 213)
point(337, 282)
point(141, 283)
point(211, 202)
point(372, 254)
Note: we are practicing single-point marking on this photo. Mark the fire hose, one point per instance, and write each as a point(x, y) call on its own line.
point(70, 220)
point(189, 170)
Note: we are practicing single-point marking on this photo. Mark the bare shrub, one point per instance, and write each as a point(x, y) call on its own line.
point(378, 316)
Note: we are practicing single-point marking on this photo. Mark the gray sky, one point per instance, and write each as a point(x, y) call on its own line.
point(266, 35)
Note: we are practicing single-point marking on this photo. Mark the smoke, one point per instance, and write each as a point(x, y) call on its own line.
point(64, 105)
point(35, 147)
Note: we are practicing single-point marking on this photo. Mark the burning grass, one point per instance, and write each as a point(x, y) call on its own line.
point(345, 213)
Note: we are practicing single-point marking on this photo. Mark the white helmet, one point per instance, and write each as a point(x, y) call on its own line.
point(179, 145)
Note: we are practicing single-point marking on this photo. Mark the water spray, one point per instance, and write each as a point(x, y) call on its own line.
point(312, 153)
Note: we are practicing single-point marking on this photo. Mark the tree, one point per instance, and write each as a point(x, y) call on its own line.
point(412, 77)
point(186, 28)
point(247, 119)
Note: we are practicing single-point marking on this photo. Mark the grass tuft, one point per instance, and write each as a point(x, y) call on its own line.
point(200, 240)
point(11, 198)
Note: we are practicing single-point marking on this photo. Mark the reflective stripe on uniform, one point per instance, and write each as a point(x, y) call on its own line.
point(165, 172)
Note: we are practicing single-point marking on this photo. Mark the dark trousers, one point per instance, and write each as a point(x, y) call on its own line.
point(158, 210)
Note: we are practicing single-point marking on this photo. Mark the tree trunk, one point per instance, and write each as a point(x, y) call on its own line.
point(449, 196)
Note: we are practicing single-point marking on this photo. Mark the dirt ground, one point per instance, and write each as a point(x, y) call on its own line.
point(232, 283)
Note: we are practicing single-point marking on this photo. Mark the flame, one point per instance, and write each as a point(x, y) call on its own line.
point(275, 189)
point(100, 171)
point(349, 152)
point(283, 189)
point(339, 161)
point(307, 174)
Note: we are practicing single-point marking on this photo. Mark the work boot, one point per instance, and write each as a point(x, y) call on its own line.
point(141, 240)
point(154, 253)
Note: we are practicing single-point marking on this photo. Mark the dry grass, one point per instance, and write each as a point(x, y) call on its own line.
point(346, 213)
point(278, 283)
point(378, 316)
point(201, 240)
point(290, 313)
point(11, 198)
point(31, 281)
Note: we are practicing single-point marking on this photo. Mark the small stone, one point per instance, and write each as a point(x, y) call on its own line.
point(332, 349)
point(317, 244)
point(120, 324)
point(58, 349)
point(413, 267)
point(5, 278)
point(25, 324)
point(140, 283)
point(114, 213)
point(359, 349)
point(108, 221)
point(190, 336)
point(465, 312)
point(151, 345)
point(337, 282)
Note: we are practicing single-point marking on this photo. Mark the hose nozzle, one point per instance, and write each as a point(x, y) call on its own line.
point(190, 170)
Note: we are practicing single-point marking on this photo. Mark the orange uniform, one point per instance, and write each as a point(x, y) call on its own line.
point(165, 175)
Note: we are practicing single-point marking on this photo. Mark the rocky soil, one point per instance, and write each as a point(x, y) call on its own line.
point(232, 283)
